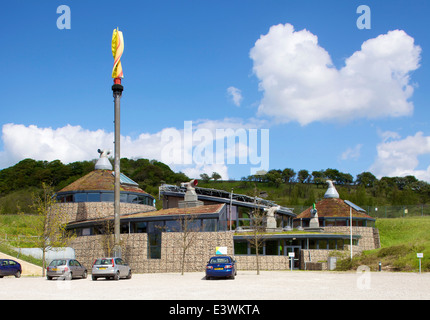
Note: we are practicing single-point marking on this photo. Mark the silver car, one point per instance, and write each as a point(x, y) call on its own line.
point(110, 268)
point(66, 269)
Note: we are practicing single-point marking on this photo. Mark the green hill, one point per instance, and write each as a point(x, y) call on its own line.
point(401, 240)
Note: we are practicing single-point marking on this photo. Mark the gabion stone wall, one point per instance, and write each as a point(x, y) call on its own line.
point(134, 249)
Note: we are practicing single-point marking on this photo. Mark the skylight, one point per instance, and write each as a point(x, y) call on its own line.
point(123, 179)
point(354, 206)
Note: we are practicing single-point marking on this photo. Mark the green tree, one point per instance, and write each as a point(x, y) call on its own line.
point(51, 227)
point(216, 176)
point(303, 176)
point(366, 179)
point(205, 177)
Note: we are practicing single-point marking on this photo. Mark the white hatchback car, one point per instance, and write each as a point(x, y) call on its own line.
point(110, 268)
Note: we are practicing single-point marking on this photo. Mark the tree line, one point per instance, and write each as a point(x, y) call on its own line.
point(367, 187)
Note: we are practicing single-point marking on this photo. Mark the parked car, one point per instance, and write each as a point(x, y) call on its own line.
point(221, 266)
point(110, 268)
point(10, 268)
point(66, 269)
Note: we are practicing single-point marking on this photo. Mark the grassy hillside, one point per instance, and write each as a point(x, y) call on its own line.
point(401, 240)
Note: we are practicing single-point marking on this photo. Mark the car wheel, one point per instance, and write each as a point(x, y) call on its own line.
point(68, 276)
point(208, 278)
point(129, 275)
point(116, 277)
point(232, 276)
point(84, 275)
point(48, 278)
point(94, 278)
point(18, 274)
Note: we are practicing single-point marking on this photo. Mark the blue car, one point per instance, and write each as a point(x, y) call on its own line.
point(10, 268)
point(221, 267)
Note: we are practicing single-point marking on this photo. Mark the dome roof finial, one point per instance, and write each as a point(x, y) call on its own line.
point(331, 191)
point(103, 162)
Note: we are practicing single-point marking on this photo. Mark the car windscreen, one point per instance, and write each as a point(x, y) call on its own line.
point(220, 260)
point(56, 263)
point(103, 262)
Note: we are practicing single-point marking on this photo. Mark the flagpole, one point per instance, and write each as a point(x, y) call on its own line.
point(117, 88)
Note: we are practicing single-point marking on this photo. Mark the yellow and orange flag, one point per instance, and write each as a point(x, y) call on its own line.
point(117, 50)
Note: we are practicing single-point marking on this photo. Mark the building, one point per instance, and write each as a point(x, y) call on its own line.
point(151, 239)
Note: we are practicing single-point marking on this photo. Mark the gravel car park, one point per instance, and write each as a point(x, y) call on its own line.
point(273, 285)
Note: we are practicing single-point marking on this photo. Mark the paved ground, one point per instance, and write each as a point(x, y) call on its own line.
point(273, 285)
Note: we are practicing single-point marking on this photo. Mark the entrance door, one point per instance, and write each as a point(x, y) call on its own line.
point(296, 250)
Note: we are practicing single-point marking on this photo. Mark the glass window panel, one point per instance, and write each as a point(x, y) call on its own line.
point(80, 197)
point(93, 197)
point(107, 196)
point(260, 249)
point(193, 225)
point(123, 197)
point(140, 227)
point(322, 244)
point(209, 224)
point(173, 226)
point(312, 244)
point(132, 198)
point(272, 247)
point(240, 247)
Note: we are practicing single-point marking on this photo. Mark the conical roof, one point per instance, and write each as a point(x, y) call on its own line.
point(334, 207)
point(100, 180)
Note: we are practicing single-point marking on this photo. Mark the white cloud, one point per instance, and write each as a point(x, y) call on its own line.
point(399, 157)
point(74, 143)
point(236, 95)
point(301, 84)
point(351, 153)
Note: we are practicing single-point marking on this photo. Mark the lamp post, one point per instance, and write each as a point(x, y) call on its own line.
point(350, 229)
point(117, 88)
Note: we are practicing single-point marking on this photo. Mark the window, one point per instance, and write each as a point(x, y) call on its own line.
point(272, 248)
point(209, 224)
point(140, 227)
point(220, 260)
point(154, 239)
point(107, 196)
point(322, 244)
point(93, 197)
point(173, 226)
point(241, 247)
point(260, 249)
point(154, 245)
point(80, 197)
point(193, 225)
point(123, 197)
point(330, 222)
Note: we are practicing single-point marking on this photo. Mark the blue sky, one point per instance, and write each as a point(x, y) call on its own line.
point(327, 101)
